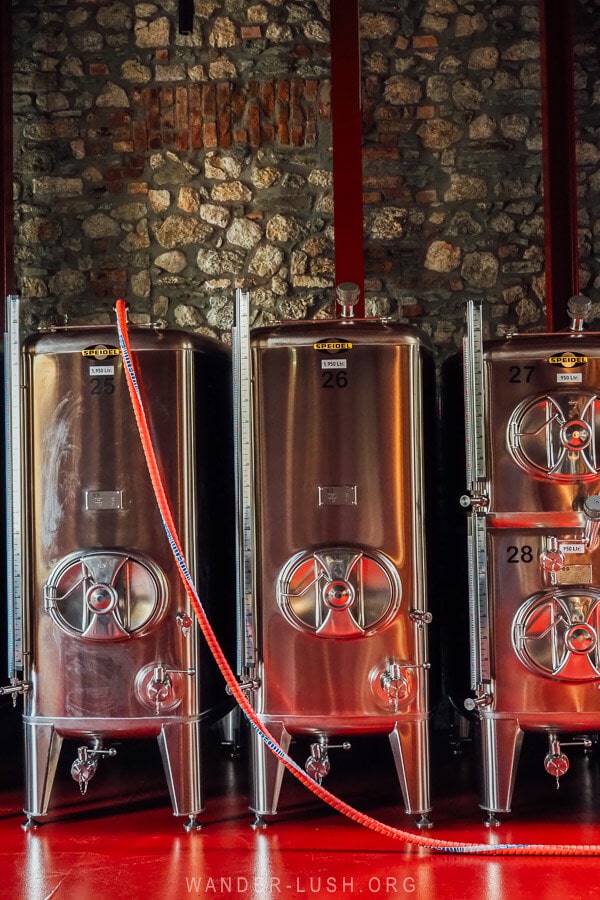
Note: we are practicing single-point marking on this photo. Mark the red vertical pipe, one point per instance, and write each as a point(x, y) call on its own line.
point(347, 145)
point(6, 152)
point(560, 186)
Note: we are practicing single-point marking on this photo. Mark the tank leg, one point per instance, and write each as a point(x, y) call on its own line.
point(179, 745)
point(42, 750)
point(501, 741)
point(410, 746)
point(267, 772)
point(230, 727)
point(460, 732)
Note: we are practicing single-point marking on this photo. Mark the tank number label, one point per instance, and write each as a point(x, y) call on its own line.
point(569, 377)
point(334, 379)
point(334, 363)
point(522, 554)
point(572, 548)
point(102, 385)
point(520, 374)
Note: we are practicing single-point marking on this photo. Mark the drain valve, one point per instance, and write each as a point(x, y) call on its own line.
point(317, 765)
point(556, 763)
point(84, 767)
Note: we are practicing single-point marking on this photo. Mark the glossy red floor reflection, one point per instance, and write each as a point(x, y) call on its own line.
point(121, 840)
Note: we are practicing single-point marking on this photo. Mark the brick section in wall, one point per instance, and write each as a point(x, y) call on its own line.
point(284, 113)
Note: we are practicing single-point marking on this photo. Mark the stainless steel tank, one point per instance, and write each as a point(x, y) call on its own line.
point(336, 643)
point(109, 647)
point(533, 451)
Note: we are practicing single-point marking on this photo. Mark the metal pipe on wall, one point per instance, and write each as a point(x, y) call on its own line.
point(347, 145)
point(559, 175)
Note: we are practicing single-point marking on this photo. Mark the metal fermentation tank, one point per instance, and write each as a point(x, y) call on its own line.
point(533, 430)
point(336, 643)
point(109, 646)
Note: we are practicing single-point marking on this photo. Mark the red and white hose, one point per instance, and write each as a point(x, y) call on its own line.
point(336, 803)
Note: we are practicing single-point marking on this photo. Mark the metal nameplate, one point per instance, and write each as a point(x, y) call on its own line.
point(569, 377)
point(337, 363)
point(103, 499)
point(565, 547)
point(338, 495)
point(574, 575)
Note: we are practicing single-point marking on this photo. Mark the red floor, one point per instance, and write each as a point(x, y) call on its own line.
point(121, 840)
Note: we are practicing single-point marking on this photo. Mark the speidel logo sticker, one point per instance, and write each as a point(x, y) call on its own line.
point(567, 360)
point(332, 346)
point(100, 351)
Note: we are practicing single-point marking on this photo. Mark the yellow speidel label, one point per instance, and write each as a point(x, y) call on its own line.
point(567, 360)
point(332, 346)
point(100, 351)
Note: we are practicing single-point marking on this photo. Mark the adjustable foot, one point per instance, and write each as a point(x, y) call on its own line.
point(30, 824)
point(192, 824)
point(258, 822)
point(491, 821)
point(423, 822)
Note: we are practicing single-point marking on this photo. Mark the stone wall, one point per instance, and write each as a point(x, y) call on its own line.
point(170, 169)
point(453, 163)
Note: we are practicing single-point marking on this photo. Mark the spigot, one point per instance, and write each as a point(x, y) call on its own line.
point(477, 703)
point(317, 765)
point(84, 767)
point(15, 688)
point(556, 763)
point(160, 686)
point(394, 684)
point(185, 623)
point(578, 308)
point(552, 559)
point(591, 510)
point(348, 295)
point(475, 500)
point(247, 687)
point(420, 616)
